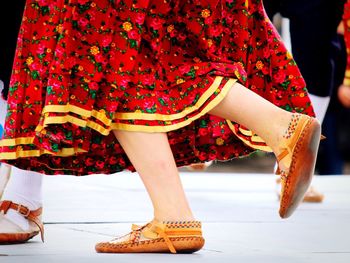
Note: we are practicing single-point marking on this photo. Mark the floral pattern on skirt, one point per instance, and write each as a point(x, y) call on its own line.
point(84, 68)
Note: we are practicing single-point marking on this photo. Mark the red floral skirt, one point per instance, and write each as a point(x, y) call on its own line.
point(84, 68)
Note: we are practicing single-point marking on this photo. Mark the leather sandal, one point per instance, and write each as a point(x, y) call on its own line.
point(14, 234)
point(299, 152)
point(157, 237)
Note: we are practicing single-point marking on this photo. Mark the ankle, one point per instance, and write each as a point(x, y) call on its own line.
point(285, 129)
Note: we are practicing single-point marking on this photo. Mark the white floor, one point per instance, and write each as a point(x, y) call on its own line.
point(238, 211)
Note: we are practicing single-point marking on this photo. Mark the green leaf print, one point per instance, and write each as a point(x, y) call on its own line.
point(151, 110)
point(35, 74)
point(69, 135)
point(162, 102)
point(49, 90)
point(93, 94)
point(45, 10)
point(54, 147)
point(133, 43)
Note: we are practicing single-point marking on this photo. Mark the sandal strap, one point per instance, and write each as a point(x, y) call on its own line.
point(31, 215)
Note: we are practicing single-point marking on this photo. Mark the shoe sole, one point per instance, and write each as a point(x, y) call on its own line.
point(302, 168)
point(182, 245)
point(16, 238)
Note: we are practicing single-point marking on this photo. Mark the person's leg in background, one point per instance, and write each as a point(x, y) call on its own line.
point(313, 28)
point(330, 159)
point(319, 40)
point(17, 186)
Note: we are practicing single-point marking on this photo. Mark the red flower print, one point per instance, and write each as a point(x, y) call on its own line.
point(97, 76)
point(40, 49)
point(140, 17)
point(298, 82)
point(83, 2)
point(132, 34)
point(202, 156)
point(156, 23)
point(43, 2)
point(212, 156)
point(147, 79)
point(203, 131)
point(280, 76)
point(106, 41)
point(93, 85)
point(89, 161)
point(101, 58)
point(70, 62)
point(173, 33)
point(113, 160)
point(83, 22)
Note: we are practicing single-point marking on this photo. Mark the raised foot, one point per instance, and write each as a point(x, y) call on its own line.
point(301, 147)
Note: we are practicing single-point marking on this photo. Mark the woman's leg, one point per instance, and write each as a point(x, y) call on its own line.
point(151, 155)
point(293, 138)
point(245, 107)
point(173, 228)
point(157, 168)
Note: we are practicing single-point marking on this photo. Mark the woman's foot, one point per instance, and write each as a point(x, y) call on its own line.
point(157, 237)
point(296, 160)
point(14, 233)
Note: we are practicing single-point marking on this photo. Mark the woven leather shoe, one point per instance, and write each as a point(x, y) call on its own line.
point(299, 151)
point(157, 237)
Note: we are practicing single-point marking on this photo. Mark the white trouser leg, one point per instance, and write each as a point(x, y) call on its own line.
point(25, 188)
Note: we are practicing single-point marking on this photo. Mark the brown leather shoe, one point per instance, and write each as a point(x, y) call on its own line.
point(10, 233)
point(299, 151)
point(157, 237)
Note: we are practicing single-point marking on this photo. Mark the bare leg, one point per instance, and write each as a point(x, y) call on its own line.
point(256, 113)
point(294, 143)
point(151, 155)
point(157, 168)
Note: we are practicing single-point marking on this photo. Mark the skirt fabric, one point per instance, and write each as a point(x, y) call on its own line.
point(83, 68)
